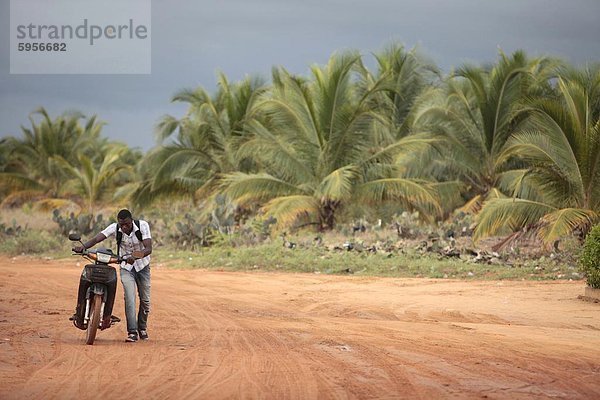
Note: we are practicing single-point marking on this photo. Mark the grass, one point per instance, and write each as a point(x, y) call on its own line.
point(32, 242)
point(40, 238)
point(274, 257)
point(38, 234)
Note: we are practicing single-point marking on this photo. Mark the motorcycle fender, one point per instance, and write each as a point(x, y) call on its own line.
point(96, 288)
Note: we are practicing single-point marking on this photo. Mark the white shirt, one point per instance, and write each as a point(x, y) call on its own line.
point(130, 243)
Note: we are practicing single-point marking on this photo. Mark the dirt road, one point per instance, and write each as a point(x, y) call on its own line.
point(220, 335)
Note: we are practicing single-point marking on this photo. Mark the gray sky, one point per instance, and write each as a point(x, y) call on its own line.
point(193, 39)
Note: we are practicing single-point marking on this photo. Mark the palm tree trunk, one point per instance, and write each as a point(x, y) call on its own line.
point(327, 215)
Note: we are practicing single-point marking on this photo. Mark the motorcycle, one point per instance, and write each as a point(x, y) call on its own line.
point(97, 289)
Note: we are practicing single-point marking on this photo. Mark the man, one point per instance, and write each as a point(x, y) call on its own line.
point(131, 236)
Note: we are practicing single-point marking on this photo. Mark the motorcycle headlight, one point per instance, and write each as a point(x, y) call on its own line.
point(103, 258)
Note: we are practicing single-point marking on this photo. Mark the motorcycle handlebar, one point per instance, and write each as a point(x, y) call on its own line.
point(106, 258)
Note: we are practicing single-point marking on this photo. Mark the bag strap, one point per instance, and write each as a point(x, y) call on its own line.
point(138, 234)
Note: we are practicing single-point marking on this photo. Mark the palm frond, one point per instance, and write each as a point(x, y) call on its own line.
point(53, 204)
point(337, 185)
point(448, 194)
point(283, 155)
point(288, 209)
point(14, 181)
point(505, 213)
point(410, 193)
point(18, 198)
point(563, 222)
point(519, 183)
point(410, 145)
point(181, 161)
point(194, 97)
point(256, 187)
point(165, 128)
point(143, 196)
point(473, 206)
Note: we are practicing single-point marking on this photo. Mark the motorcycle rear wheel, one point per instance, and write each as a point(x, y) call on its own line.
point(94, 321)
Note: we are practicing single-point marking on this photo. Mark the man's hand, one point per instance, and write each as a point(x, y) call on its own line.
point(90, 243)
point(130, 260)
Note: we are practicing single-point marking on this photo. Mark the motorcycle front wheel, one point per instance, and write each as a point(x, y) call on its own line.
point(94, 321)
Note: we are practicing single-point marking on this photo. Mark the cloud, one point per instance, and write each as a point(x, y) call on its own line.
point(192, 40)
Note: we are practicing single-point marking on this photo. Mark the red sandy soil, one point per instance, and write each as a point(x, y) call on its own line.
point(255, 335)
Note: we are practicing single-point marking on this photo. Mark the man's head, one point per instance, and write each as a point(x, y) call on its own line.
point(125, 221)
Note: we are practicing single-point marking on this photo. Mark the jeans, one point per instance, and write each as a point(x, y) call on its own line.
point(141, 280)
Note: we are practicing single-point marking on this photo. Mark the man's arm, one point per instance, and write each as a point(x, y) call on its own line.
point(146, 238)
point(147, 247)
point(90, 243)
point(147, 250)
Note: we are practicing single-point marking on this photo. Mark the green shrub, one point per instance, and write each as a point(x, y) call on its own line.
point(190, 234)
point(590, 258)
point(10, 230)
point(84, 224)
point(31, 242)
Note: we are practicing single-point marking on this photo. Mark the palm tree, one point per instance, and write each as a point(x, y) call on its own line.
point(205, 145)
point(37, 160)
point(6, 164)
point(560, 191)
point(315, 141)
point(406, 149)
point(93, 178)
point(404, 75)
point(475, 114)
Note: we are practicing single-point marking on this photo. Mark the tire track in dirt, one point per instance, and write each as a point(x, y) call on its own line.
point(237, 351)
point(285, 336)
